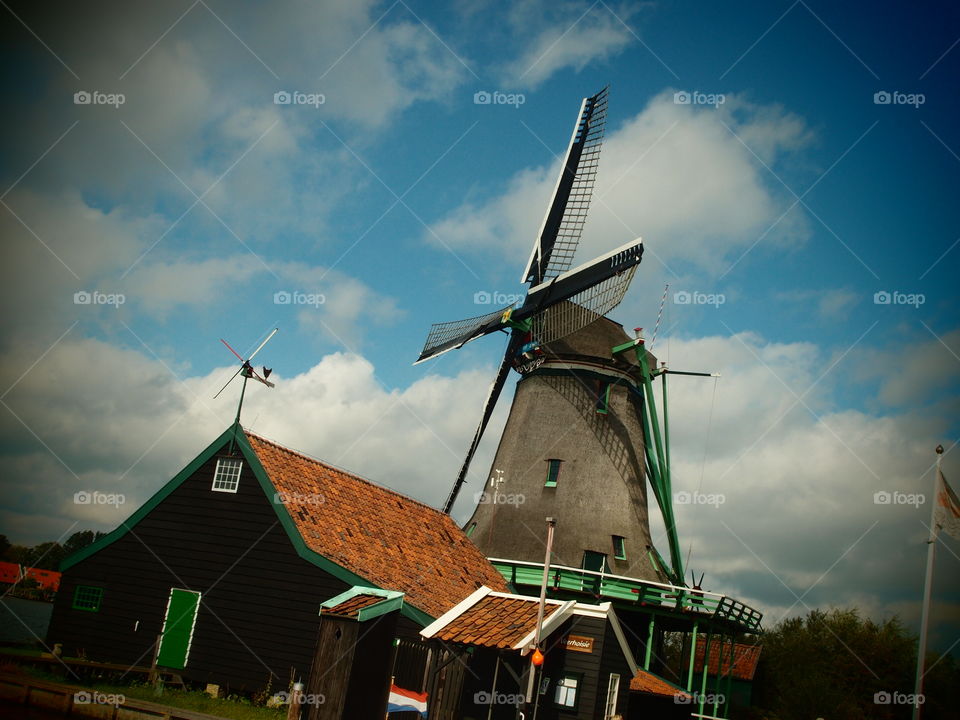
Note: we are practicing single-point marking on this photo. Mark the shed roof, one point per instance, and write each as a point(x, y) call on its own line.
point(384, 537)
point(745, 659)
point(646, 682)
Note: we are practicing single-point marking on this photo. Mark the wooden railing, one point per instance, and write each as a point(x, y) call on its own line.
point(618, 588)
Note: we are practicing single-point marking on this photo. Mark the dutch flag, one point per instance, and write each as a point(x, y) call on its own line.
point(406, 701)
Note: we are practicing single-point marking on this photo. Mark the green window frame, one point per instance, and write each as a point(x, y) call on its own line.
point(566, 695)
point(471, 528)
point(619, 547)
point(603, 398)
point(87, 597)
point(553, 472)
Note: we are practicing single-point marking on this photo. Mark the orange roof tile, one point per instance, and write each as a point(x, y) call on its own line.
point(647, 682)
point(384, 537)
point(495, 621)
point(745, 659)
point(353, 606)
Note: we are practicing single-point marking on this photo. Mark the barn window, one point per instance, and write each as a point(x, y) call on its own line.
point(226, 478)
point(567, 690)
point(619, 547)
point(87, 597)
point(553, 472)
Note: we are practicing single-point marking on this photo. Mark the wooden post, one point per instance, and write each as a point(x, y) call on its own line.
point(154, 676)
point(296, 698)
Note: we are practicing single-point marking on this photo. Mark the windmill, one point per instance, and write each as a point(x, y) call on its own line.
point(247, 371)
point(559, 301)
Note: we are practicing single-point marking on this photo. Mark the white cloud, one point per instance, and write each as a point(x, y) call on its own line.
point(674, 174)
point(575, 35)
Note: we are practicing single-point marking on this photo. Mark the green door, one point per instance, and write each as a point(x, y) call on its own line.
point(178, 628)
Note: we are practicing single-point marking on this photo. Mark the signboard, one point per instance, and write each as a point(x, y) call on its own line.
point(578, 643)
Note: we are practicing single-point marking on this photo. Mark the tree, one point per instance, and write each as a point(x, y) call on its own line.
point(837, 665)
point(80, 540)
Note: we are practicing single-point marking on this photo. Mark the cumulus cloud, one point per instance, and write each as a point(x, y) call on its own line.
point(675, 174)
point(571, 35)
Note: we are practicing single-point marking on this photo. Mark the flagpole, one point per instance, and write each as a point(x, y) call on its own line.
point(927, 583)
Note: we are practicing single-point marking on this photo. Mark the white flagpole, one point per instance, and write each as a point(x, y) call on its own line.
point(927, 583)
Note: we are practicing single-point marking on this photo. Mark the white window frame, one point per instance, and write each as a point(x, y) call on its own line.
point(565, 693)
point(229, 482)
point(613, 690)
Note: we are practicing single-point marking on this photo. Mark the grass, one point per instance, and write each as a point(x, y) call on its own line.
point(233, 706)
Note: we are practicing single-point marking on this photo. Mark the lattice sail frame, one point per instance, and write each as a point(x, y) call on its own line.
point(562, 319)
point(578, 202)
point(449, 335)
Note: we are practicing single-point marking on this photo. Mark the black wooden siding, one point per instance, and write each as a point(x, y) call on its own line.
point(259, 612)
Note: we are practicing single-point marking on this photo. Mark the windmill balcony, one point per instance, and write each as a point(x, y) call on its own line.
point(631, 593)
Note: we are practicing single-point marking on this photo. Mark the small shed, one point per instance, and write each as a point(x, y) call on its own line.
point(588, 663)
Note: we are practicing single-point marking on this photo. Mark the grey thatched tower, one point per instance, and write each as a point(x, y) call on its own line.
point(573, 449)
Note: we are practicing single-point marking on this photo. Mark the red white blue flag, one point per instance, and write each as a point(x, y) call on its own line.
point(406, 701)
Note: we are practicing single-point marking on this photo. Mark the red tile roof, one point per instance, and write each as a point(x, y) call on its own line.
point(745, 659)
point(384, 537)
point(647, 682)
point(353, 606)
point(495, 622)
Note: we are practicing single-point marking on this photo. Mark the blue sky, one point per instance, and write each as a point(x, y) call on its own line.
point(796, 199)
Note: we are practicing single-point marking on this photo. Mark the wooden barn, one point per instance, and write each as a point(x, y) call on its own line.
point(230, 562)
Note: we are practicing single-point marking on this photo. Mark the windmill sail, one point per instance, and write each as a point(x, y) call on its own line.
point(564, 318)
point(563, 223)
point(449, 335)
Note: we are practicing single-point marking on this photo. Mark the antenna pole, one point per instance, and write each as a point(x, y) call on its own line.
point(236, 422)
point(927, 583)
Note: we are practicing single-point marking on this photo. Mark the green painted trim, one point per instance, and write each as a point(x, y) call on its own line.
point(552, 477)
point(99, 598)
point(235, 433)
point(693, 653)
point(392, 600)
point(150, 504)
point(619, 547)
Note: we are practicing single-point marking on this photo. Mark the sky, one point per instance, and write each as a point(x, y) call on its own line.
point(351, 172)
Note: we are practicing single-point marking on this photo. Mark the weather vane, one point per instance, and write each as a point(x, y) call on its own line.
point(247, 371)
